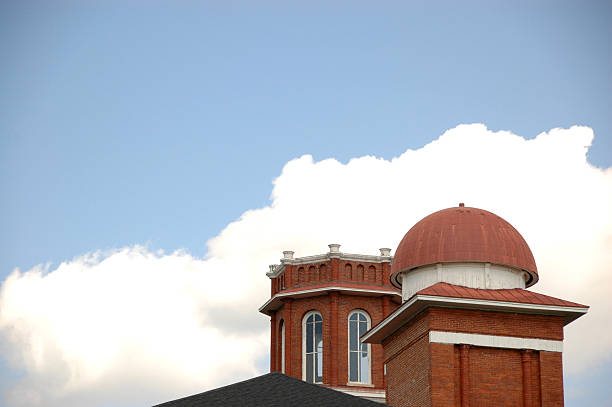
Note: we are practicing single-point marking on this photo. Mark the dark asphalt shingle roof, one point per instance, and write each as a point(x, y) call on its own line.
point(271, 390)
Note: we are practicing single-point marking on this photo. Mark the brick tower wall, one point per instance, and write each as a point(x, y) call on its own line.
point(334, 308)
point(420, 373)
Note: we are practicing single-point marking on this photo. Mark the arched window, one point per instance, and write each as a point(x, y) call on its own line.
point(359, 353)
point(312, 346)
point(282, 346)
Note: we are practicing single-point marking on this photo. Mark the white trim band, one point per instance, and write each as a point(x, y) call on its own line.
point(493, 341)
point(376, 395)
point(306, 291)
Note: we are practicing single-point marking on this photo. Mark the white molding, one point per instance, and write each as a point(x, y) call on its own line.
point(493, 341)
point(323, 289)
point(310, 259)
point(375, 395)
point(366, 257)
point(505, 304)
point(277, 269)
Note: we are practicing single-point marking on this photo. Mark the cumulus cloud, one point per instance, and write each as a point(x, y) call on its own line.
point(131, 326)
point(126, 327)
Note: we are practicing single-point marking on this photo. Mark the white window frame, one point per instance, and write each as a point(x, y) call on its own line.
point(348, 346)
point(306, 316)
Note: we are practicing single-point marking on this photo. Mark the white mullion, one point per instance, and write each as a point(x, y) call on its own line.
point(314, 350)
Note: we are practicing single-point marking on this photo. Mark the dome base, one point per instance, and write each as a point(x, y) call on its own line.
point(473, 275)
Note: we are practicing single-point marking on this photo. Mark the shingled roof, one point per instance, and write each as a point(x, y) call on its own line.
point(270, 390)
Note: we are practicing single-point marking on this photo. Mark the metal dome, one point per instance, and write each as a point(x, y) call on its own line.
point(463, 234)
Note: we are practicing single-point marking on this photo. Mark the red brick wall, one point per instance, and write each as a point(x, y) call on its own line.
point(551, 368)
point(495, 377)
point(408, 376)
point(406, 353)
point(420, 373)
point(496, 323)
point(536, 379)
point(332, 270)
point(445, 376)
point(335, 346)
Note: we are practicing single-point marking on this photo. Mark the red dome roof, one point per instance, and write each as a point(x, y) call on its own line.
point(463, 234)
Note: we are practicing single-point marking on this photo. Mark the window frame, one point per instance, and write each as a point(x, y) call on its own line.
point(304, 352)
point(348, 347)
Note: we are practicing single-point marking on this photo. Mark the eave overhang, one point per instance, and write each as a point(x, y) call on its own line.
point(277, 300)
point(420, 302)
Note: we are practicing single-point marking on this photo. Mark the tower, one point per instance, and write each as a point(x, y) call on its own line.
point(319, 308)
point(468, 333)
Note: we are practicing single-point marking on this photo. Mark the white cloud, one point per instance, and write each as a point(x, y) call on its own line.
point(134, 327)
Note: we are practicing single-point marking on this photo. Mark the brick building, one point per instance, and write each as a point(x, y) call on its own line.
point(447, 321)
point(464, 331)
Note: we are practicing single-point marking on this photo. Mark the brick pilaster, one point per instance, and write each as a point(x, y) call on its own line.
point(288, 276)
point(464, 362)
point(288, 337)
point(273, 345)
point(525, 361)
point(335, 269)
point(334, 299)
point(386, 306)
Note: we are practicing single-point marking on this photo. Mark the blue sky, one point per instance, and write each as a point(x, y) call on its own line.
point(159, 123)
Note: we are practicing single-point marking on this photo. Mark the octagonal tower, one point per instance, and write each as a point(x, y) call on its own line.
point(319, 307)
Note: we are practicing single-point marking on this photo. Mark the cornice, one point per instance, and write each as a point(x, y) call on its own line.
point(278, 269)
point(418, 303)
point(277, 298)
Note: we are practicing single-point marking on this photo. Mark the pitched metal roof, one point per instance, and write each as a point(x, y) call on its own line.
point(271, 390)
point(511, 295)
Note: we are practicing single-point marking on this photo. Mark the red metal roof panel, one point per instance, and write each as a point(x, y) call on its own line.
point(507, 295)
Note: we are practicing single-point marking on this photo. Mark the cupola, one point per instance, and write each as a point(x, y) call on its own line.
point(464, 246)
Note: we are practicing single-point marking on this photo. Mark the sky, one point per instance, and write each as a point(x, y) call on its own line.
point(153, 151)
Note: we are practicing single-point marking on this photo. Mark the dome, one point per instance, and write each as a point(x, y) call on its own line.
point(463, 234)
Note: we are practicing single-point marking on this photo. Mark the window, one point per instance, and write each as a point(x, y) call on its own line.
point(282, 346)
point(312, 345)
point(359, 353)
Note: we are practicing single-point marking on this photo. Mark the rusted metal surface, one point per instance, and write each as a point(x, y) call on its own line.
point(464, 234)
point(509, 295)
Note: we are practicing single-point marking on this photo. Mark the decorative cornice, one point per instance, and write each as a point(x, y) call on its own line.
point(277, 269)
point(267, 306)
